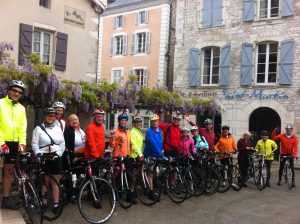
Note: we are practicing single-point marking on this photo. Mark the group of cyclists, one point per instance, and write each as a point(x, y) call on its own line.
point(58, 136)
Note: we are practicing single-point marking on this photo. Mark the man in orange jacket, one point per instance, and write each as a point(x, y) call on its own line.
point(288, 150)
point(95, 136)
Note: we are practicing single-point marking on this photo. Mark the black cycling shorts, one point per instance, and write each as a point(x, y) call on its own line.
point(11, 157)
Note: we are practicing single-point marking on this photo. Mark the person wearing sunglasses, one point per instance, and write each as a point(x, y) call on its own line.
point(12, 136)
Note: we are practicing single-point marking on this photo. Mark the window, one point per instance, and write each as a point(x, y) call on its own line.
point(118, 22)
point(119, 44)
point(142, 17)
point(141, 42)
point(45, 3)
point(42, 45)
point(211, 62)
point(142, 77)
point(146, 122)
point(266, 71)
point(268, 8)
point(116, 76)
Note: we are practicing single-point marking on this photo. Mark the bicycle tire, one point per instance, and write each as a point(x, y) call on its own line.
point(212, 181)
point(144, 192)
point(260, 180)
point(123, 195)
point(224, 180)
point(32, 204)
point(235, 179)
point(85, 193)
point(289, 175)
point(176, 188)
point(196, 183)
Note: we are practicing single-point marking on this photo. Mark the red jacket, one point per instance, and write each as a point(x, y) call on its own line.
point(95, 140)
point(209, 136)
point(288, 146)
point(172, 136)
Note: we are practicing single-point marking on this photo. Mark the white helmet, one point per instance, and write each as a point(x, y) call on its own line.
point(194, 128)
point(17, 83)
point(59, 104)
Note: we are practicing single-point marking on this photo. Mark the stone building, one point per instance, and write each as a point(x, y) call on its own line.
point(246, 55)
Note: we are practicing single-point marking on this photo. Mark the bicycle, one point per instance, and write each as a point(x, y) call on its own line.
point(97, 198)
point(287, 171)
point(26, 189)
point(228, 173)
point(261, 172)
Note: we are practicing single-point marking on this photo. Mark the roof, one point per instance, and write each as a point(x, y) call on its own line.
point(118, 3)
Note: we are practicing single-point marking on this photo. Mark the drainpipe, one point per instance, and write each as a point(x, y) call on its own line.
point(98, 42)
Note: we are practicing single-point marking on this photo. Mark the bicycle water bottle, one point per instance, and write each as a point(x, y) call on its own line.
point(74, 180)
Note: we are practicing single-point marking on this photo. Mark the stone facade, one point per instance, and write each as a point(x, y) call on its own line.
point(236, 108)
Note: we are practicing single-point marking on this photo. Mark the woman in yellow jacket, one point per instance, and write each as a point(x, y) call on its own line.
point(266, 147)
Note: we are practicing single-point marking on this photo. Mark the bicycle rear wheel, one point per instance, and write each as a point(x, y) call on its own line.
point(212, 181)
point(32, 203)
point(96, 201)
point(143, 190)
point(176, 188)
point(260, 177)
point(235, 179)
point(289, 176)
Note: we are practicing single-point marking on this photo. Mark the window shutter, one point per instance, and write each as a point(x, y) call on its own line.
point(225, 65)
point(115, 22)
point(207, 13)
point(146, 17)
point(148, 42)
point(111, 46)
point(146, 77)
point(286, 64)
point(133, 48)
point(61, 51)
point(137, 18)
point(194, 67)
point(122, 21)
point(25, 42)
point(287, 8)
point(125, 45)
point(217, 12)
point(248, 10)
point(246, 64)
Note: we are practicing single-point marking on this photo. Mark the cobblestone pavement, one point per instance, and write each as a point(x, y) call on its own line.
point(275, 205)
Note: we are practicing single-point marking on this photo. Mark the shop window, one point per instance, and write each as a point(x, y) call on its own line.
point(211, 66)
point(42, 44)
point(266, 68)
point(268, 8)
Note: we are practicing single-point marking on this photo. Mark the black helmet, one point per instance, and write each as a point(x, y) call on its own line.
point(49, 110)
point(16, 83)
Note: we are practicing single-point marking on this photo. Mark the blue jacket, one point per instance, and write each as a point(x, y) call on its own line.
point(153, 143)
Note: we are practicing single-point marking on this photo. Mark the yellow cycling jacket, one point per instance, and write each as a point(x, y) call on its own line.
point(13, 122)
point(266, 148)
point(137, 143)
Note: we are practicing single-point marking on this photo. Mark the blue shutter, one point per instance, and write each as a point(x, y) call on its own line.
point(246, 64)
point(225, 65)
point(287, 7)
point(286, 64)
point(207, 13)
point(248, 10)
point(194, 67)
point(217, 12)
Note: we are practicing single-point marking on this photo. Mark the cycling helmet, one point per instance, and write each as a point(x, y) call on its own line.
point(16, 83)
point(208, 121)
point(123, 117)
point(289, 126)
point(98, 111)
point(194, 128)
point(49, 110)
point(176, 117)
point(137, 119)
point(154, 117)
point(185, 129)
point(59, 104)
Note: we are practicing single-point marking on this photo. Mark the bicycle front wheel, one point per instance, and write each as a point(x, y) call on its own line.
point(176, 188)
point(96, 200)
point(260, 177)
point(32, 204)
point(289, 176)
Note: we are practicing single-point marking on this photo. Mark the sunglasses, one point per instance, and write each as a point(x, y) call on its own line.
point(17, 91)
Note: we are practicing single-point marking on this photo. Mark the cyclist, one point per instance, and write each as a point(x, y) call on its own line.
point(226, 145)
point(48, 139)
point(153, 146)
point(137, 138)
point(266, 147)
point(244, 146)
point(121, 138)
point(288, 147)
point(60, 108)
point(186, 145)
point(207, 132)
point(12, 136)
point(172, 135)
point(95, 136)
point(199, 141)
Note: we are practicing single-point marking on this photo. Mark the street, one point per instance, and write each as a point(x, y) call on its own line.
point(275, 205)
